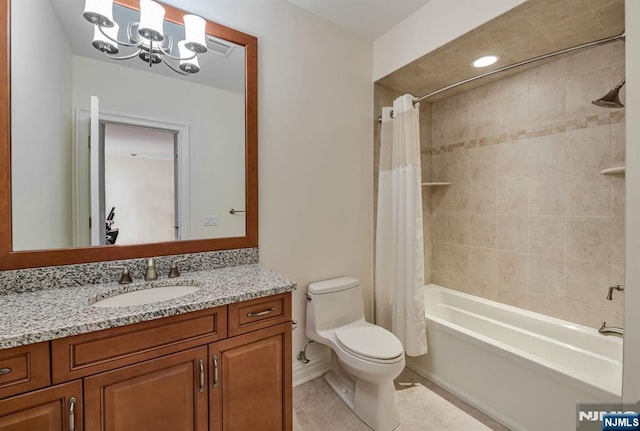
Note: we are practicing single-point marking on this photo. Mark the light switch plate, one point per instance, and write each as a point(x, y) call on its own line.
point(211, 221)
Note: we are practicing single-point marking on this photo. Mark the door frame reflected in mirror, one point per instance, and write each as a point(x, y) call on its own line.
point(10, 259)
point(81, 208)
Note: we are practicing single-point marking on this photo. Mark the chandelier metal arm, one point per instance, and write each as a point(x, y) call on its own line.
point(125, 57)
point(127, 44)
point(165, 53)
point(172, 67)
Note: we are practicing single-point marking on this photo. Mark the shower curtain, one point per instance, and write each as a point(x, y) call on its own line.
point(399, 274)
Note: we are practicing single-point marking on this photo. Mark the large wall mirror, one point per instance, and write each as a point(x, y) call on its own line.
point(106, 155)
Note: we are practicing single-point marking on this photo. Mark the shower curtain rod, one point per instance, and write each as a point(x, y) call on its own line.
point(518, 64)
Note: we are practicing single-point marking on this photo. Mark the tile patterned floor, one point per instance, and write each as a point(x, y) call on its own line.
point(423, 407)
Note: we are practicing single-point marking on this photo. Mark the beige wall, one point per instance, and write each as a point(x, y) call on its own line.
point(528, 219)
point(315, 104)
point(142, 191)
point(40, 130)
point(215, 119)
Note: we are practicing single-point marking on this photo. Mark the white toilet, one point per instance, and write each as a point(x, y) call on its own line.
point(365, 358)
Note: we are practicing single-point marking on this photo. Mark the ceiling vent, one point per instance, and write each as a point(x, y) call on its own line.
point(219, 46)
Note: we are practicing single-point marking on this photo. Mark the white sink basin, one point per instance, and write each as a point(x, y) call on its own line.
point(146, 296)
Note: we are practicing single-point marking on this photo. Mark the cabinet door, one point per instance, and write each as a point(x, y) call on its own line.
point(167, 393)
point(58, 408)
point(251, 381)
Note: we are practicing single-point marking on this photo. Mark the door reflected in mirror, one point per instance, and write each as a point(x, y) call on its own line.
point(141, 185)
point(178, 187)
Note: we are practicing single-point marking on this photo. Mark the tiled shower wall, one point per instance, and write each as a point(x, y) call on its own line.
point(529, 220)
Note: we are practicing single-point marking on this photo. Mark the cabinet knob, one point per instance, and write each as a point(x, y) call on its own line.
point(4, 371)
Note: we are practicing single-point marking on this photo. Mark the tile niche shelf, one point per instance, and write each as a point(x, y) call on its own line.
point(613, 171)
point(436, 183)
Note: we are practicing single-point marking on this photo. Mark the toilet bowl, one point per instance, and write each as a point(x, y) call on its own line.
point(365, 358)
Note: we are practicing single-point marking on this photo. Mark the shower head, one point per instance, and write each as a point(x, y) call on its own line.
point(612, 98)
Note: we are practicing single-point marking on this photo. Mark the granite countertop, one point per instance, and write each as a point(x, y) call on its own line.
point(27, 318)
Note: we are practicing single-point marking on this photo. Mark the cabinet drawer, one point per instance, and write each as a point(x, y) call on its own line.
point(91, 353)
point(24, 369)
point(259, 313)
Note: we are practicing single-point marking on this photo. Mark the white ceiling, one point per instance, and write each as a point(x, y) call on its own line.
point(366, 18)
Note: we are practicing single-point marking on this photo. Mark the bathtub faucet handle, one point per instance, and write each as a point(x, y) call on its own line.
point(619, 288)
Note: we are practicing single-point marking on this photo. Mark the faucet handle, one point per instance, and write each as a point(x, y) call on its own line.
point(125, 277)
point(173, 272)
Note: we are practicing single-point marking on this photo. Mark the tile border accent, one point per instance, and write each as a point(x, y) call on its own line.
point(545, 130)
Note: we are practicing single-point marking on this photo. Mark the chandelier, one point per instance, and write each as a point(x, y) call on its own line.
point(147, 38)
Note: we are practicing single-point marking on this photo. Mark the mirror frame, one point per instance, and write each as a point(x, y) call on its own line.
point(10, 259)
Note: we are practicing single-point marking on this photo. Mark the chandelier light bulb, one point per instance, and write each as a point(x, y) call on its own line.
point(149, 55)
point(99, 12)
point(191, 64)
point(151, 20)
point(102, 42)
point(194, 29)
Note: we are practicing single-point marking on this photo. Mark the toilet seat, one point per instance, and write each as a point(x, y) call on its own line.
point(370, 342)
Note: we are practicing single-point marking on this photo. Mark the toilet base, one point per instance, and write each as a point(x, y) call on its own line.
point(344, 389)
point(374, 403)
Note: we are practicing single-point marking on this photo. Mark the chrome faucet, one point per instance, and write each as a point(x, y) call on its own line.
point(619, 288)
point(150, 272)
point(610, 330)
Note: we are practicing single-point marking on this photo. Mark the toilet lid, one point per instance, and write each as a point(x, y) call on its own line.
point(370, 341)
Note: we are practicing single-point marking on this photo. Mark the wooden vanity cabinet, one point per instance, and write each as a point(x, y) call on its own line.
point(24, 369)
point(251, 382)
point(94, 352)
point(168, 393)
point(57, 408)
point(222, 369)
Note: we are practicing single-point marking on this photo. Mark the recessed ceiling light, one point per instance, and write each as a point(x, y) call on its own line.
point(485, 61)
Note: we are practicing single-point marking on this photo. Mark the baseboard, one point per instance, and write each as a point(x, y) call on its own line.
point(317, 366)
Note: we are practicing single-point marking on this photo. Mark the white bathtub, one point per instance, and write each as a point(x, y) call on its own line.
point(524, 369)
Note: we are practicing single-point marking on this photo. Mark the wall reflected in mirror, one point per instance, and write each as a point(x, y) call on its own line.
point(51, 89)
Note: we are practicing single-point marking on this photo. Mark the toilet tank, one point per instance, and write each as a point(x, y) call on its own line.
point(334, 303)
